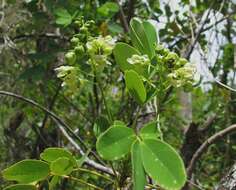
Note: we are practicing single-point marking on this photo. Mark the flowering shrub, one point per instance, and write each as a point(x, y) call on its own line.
point(149, 71)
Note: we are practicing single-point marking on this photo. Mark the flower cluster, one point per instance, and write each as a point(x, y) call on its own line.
point(180, 71)
point(139, 60)
point(69, 76)
point(99, 49)
point(183, 76)
point(84, 48)
point(78, 41)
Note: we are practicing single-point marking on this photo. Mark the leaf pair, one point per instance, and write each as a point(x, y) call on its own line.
point(143, 36)
point(149, 155)
point(133, 73)
point(160, 161)
point(61, 161)
point(56, 161)
point(144, 39)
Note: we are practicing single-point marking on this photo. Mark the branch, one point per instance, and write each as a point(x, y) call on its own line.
point(198, 32)
point(46, 35)
point(131, 9)
point(87, 160)
point(123, 19)
point(209, 121)
point(62, 126)
point(51, 105)
point(206, 144)
point(182, 38)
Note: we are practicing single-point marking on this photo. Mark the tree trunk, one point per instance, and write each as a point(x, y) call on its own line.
point(228, 182)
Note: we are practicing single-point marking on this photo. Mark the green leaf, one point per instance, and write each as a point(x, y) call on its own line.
point(136, 24)
point(138, 173)
point(63, 17)
point(149, 130)
point(118, 122)
point(115, 28)
point(115, 142)
point(135, 86)
point(122, 52)
point(20, 187)
point(143, 36)
point(108, 9)
point(163, 164)
point(27, 171)
point(63, 21)
point(151, 34)
point(61, 166)
point(52, 154)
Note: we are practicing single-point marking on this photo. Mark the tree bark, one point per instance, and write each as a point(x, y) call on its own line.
point(228, 182)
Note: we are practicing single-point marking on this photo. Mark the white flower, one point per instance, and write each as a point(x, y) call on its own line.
point(139, 59)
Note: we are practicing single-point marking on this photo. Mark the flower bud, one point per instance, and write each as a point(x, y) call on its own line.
point(84, 29)
point(74, 40)
point(70, 57)
point(181, 62)
point(79, 50)
point(171, 59)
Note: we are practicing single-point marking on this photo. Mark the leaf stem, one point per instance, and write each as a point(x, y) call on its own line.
point(94, 173)
point(110, 117)
point(117, 177)
point(83, 182)
point(135, 119)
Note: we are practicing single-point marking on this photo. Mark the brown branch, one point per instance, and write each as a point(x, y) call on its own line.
point(183, 38)
point(131, 9)
point(198, 33)
point(45, 110)
point(51, 105)
point(62, 126)
point(197, 155)
point(46, 35)
point(209, 121)
point(123, 19)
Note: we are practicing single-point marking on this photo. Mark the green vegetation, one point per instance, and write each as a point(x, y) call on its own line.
point(109, 95)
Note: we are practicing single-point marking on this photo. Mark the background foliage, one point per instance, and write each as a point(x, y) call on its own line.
point(35, 35)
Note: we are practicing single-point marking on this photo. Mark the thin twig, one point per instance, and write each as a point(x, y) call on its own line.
point(205, 145)
point(199, 31)
point(123, 19)
point(131, 9)
point(88, 161)
point(83, 182)
point(183, 38)
point(94, 173)
point(62, 126)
